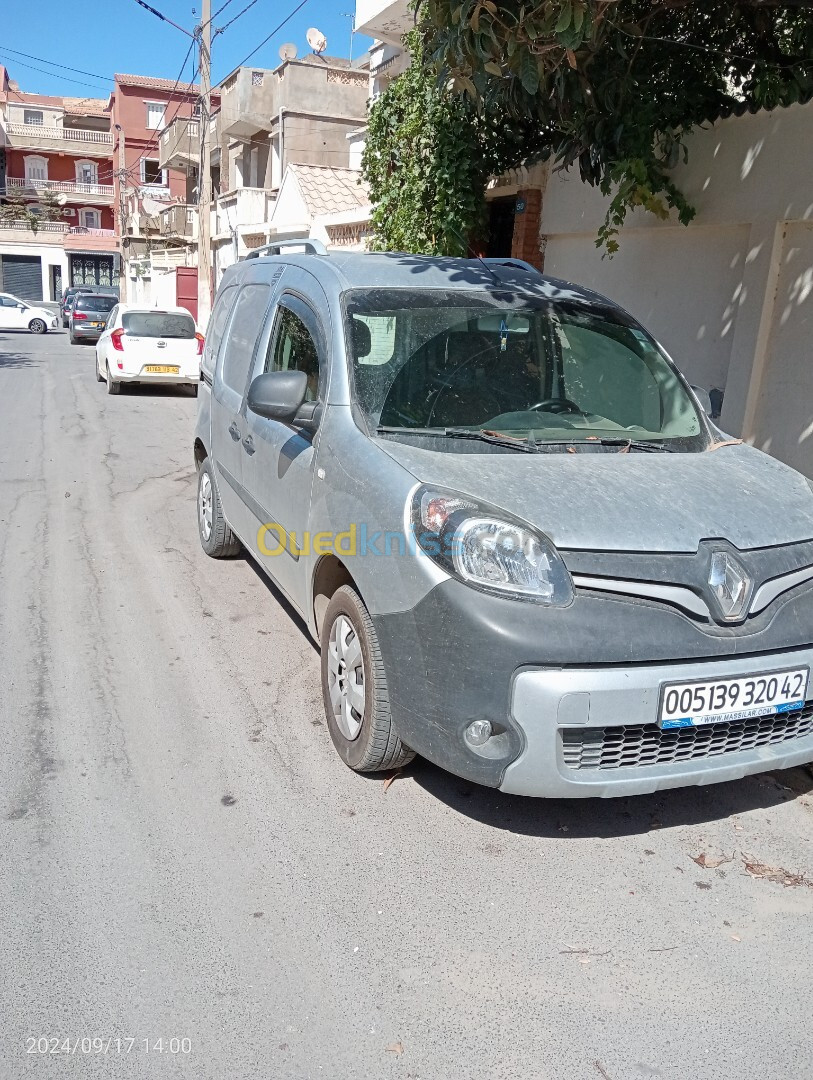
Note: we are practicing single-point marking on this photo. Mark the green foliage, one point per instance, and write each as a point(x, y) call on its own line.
point(427, 159)
point(615, 85)
point(21, 209)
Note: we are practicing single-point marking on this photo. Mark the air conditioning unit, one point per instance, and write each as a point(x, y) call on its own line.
point(68, 213)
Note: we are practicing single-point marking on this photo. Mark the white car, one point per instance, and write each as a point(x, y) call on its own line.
point(148, 345)
point(16, 314)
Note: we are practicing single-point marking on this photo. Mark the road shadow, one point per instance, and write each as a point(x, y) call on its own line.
point(9, 360)
point(153, 390)
point(564, 819)
point(280, 598)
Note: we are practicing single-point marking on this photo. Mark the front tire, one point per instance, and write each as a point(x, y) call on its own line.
point(113, 387)
point(37, 326)
point(99, 376)
point(354, 688)
point(216, 538)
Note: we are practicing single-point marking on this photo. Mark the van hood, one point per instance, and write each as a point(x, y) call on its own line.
point(631, 502)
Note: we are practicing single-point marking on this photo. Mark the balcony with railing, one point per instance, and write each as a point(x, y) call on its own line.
point(243, 206)
point(89, 194)
point(65, 140)
point(57, 233)
point(179, 144)
point(180, 221)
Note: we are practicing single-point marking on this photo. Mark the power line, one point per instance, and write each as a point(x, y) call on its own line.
point(276, 30)
point(163, 18)
point(44, 71)
point(53, 63)
point(223, 29)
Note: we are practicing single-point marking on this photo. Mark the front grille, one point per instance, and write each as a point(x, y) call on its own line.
point(646, 744)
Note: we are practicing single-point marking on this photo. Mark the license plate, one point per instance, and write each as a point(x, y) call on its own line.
point(162, 369)
point(718, 701)
point(94, 325)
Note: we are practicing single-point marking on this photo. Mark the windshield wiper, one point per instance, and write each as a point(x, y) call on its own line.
point(624, 445)
point(521, 445)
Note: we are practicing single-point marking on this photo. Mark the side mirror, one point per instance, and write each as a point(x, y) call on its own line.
point(278, 395)
point(21, 307)
point(703, 398)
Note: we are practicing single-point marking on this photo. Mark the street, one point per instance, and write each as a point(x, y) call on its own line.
point(184, 856)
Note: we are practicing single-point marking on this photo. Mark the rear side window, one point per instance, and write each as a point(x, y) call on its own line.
point(217, 327)
point(163, 324)
point(85, 302)
point(246, 323)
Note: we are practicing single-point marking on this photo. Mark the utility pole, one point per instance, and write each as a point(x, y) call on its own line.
point(204, 33)
point(122, 174)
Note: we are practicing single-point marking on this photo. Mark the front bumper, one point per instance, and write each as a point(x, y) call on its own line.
point(593, 731)
point(539, 675)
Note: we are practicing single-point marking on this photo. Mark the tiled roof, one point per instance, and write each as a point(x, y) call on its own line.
point(154, 84)
point(85, 106)
point(329, 191)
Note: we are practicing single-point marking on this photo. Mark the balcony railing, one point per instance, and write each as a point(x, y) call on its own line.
point(60, 185)
point(40, 131)
point(57, 228)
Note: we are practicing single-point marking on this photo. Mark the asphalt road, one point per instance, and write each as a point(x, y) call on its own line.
point(183, 856)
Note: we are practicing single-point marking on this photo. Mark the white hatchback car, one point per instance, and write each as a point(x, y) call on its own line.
point(148, 345)
point(16, 314)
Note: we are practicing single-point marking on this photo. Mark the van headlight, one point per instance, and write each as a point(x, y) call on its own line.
point(489, 550)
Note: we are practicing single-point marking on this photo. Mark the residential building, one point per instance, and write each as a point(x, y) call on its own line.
point(154, 195)
point(59, 149)
point(300, 113)
point(329, 204)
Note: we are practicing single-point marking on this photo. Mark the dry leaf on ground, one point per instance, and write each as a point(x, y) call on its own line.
point(774, 873)
point(395, 1048)
point(710, 862)
point(390, 780)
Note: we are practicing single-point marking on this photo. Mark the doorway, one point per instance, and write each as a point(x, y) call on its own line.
point(501, 214)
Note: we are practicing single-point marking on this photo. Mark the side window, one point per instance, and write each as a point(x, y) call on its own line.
point(606, 377)
point(111, 318)
point(217, 327)
point(293, 349)
point(246, 323)
point(6, 301)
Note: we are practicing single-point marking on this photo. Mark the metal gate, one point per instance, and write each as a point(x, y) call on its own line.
point(93, 270)
point(186, 289)
point(22, 277)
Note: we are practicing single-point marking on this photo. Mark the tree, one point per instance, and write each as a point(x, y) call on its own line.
point(427, 159)
point(19, 208)
point(616, 85)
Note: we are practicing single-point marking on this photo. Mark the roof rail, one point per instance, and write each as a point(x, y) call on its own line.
point(313, 247)
point(520, 264)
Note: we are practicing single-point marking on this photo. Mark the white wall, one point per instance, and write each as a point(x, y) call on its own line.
point(730, 296)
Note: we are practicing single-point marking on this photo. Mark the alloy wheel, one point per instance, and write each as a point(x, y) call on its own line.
point(345, 664)
point(205, 506)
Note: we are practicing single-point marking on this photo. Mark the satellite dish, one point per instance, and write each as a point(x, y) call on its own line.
point(288, 51)
point(62, 199)
point(317, 40)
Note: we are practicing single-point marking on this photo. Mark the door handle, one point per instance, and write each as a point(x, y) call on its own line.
point(234, 431)
point(248, 444)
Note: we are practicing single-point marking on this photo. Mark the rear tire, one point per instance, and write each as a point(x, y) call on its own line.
point(216, 538)
point(113, 387)
point(37, 326)
point(74, 340)
point(354, 688)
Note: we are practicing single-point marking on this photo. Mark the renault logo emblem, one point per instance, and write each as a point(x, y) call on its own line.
point(730, 585)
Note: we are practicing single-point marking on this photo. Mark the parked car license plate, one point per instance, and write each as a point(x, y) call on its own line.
point(717, 701)
point(162, 369)
point(94, 325)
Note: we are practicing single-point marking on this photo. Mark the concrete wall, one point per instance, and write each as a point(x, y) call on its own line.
point(731, 296)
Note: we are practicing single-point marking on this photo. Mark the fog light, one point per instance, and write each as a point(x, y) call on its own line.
point(478, 732)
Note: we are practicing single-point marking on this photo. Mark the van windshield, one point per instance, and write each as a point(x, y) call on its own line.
point(517, 365)
point(163, 324)
point(95, 302)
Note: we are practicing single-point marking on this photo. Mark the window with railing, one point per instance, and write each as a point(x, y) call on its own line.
point(87, 172)
point(36, 168)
